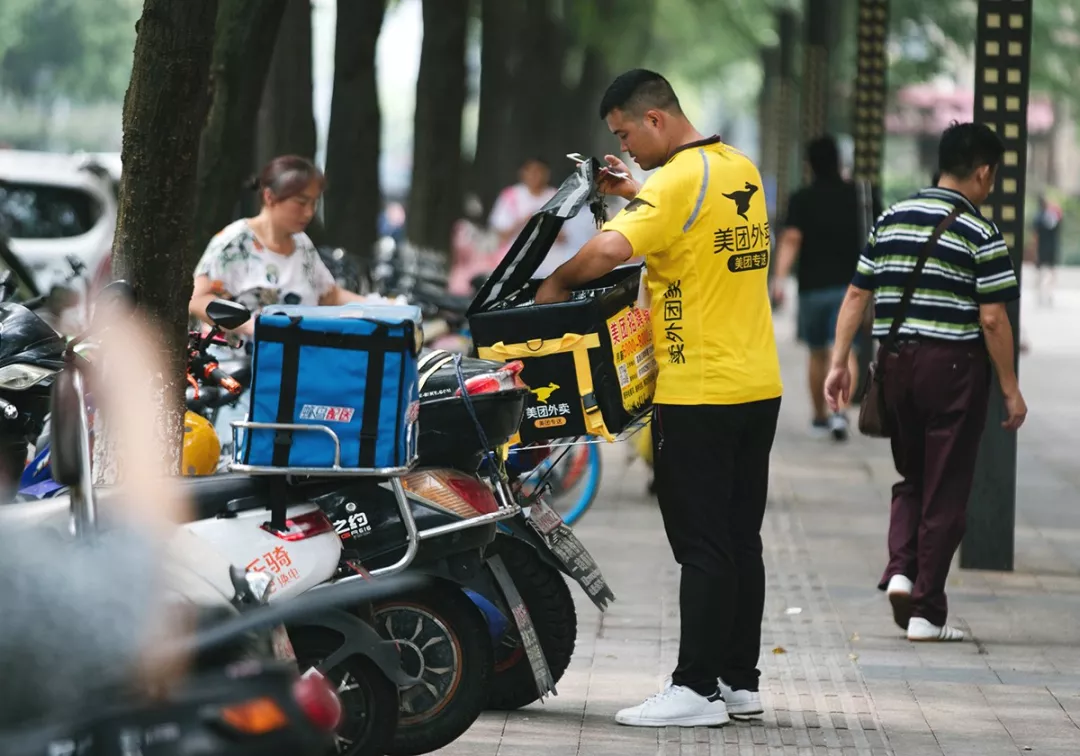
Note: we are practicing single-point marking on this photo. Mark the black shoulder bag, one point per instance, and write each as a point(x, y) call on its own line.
point(873, 412)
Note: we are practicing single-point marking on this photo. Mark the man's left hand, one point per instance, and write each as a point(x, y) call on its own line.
point(551, 291)
point(838, 387)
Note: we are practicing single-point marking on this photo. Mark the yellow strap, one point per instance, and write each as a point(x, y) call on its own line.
point(594, 421)
point(578, 345)
point(538, 347)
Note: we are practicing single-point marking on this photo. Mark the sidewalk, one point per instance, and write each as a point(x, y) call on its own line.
point(838, 676)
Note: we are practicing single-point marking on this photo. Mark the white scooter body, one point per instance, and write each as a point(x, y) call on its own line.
point(297, 561)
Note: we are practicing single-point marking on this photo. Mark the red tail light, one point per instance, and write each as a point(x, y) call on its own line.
point(474, 492)
point(318, 700)
point(303, 526)
point(457, 492)
point(505, 378)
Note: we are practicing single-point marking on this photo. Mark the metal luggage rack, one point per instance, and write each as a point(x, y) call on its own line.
point(507, 505)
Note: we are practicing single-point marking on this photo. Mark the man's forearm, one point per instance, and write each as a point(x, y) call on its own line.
point(600, 255)
point(848, 322)
point(999, 343)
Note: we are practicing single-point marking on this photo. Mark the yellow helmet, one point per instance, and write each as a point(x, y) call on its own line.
point(202, 448)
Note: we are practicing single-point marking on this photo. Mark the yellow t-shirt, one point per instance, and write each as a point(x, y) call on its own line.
point(701, 223)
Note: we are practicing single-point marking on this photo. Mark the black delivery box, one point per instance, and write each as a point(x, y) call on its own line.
point(589, 361)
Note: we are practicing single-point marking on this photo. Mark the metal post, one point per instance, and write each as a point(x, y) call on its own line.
point(1002, 63)
point(869, 129)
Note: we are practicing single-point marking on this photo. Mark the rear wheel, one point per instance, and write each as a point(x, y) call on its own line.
point(369, 701)
point(551, 607)
point(444, 641)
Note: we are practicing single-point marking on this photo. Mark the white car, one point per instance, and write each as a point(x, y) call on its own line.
point(53, 206)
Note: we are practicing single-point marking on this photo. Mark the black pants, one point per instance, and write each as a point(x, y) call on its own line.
point(712, 480)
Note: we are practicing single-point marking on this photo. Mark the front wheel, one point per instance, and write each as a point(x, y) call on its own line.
point(369, 701)
point(551, 607)
point(444, 642)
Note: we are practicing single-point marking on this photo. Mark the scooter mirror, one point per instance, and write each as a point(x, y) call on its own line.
point(7, 285)
point(226, 314)
point(117, 300)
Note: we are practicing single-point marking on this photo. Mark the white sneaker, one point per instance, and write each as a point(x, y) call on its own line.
point(838, 426)
point(741, 703)
point(920, 629)
point(677, 706)
point(899, 593)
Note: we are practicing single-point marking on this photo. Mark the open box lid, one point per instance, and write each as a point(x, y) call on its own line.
point(532, 245)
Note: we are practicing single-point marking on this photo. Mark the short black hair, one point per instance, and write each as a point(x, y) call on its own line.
point(824, 157)
point(965, 147)
point(637, 91)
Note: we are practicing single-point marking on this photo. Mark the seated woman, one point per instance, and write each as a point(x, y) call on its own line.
point(269, 259)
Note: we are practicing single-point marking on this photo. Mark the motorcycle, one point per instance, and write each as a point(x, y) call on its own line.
point(237, 701)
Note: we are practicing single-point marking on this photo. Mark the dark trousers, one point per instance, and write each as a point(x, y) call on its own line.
point(937, 394)
point(712, 479)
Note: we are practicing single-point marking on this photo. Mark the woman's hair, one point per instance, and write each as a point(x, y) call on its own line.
point(286, 176)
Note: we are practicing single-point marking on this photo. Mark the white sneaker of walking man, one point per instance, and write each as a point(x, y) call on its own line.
point(676, 706)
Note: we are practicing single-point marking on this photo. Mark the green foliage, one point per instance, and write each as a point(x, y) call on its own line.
point(930, 33)
point(67, 47)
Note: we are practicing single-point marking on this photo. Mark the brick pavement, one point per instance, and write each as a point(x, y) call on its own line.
point(838, 676)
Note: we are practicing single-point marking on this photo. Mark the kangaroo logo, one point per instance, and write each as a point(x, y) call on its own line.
point(742, 199)
point(544, 392)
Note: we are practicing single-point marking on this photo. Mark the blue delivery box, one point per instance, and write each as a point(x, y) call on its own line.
point(352, 369)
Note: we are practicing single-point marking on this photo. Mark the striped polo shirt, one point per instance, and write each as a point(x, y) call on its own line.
point(969, 266)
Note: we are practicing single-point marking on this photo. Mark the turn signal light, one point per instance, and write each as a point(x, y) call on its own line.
point(255, 717)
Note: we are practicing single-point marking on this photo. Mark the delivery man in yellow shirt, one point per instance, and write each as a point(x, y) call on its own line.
point(701, 224)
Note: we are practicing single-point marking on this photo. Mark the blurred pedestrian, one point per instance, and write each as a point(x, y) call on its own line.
point(936, 376)
point(1046, 241)
point(823, 236)
point(701, 223)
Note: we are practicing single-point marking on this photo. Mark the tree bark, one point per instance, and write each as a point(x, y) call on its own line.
point(243, 43)
point(500, 58)
point(287, 115)
point(164, 112)
point(352, 152)
point(541, 97)
point(435, 196)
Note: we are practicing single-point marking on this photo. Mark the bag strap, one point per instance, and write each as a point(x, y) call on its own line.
point(913, 279)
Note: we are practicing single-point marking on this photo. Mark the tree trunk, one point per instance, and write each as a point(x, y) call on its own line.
point(540, 102)
point(500, 57)
point(435, 196)
point(243, 42)
point(164, 112)
point(287, 115)
point(352, 151)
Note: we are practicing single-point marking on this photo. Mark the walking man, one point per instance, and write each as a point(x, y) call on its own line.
point(936, 379)
point(701, 224)
point(822, 234)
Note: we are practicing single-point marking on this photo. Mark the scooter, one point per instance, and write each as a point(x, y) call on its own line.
point(298, 549)
point(254, 707)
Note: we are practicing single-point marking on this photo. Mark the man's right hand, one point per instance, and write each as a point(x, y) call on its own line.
point(1015, 410)
point(626, 188)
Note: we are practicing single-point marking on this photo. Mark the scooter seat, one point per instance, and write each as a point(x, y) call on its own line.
point(213, 495)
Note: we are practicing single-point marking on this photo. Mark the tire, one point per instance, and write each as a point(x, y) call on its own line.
point(444, 640)
point(369, 700)
point(551, 606)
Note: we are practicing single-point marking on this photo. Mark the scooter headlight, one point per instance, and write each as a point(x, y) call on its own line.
point(21, 377)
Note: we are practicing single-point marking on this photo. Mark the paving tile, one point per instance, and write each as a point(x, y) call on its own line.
point(848, 682)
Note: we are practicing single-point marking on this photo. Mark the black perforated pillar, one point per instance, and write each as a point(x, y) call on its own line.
point(1002, 64)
